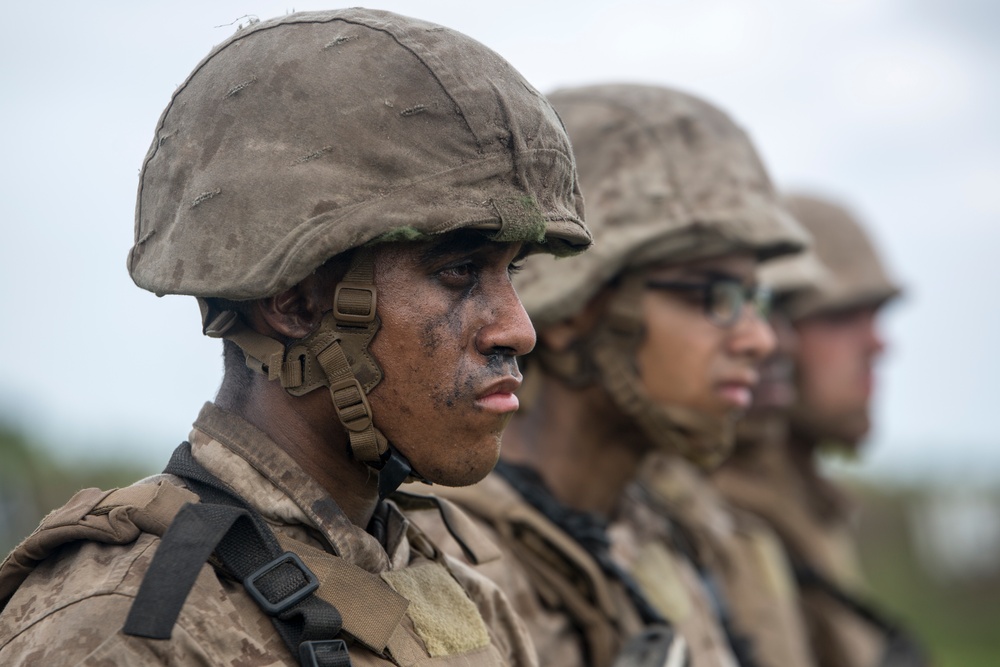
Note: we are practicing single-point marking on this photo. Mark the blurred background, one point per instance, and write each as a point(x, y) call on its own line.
point(890, 106)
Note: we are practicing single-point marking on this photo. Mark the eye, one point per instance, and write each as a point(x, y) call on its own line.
point(461, 275)
point(515, 267)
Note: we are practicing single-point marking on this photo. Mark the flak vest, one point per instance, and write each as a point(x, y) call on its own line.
point(840, 618)
point(567, 575)
point(329, 604)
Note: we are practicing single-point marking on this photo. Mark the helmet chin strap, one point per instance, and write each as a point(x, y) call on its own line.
point(335, 356)
point(607, 356)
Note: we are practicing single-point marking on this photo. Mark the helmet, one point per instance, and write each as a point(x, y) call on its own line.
point(793, 274)
point(855, 275)
point(315, 133)
point(666, 176)
point(307, 135)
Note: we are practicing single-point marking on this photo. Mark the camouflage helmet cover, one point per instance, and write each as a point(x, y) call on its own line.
point(792, 274)
point(855, 274)
point(304, 136)
point(666, 176)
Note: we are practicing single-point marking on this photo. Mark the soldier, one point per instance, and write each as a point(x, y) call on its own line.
point(818, 393)
point(346, 193)
point(647, 343)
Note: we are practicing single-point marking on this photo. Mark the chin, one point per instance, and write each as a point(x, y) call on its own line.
point(463, 467)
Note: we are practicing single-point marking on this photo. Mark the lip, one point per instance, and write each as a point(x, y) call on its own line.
point(776, 389)
point(499, 397)
point(738, 390)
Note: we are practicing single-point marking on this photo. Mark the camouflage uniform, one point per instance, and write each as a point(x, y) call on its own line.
point(738, 559)
point(51, 617)
point(771, 478)
point(575, 613)
point(814, 522)
point(298, 140)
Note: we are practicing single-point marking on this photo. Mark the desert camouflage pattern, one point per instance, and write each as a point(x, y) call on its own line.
point(667, 177)
point(313, 133)
point(539, 563)
point(71, 608)
point(740, 552)
point(645, 545)
point(793, 273)
point(814, 521)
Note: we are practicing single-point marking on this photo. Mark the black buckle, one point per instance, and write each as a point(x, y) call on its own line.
point(275, 608)
point(324, 653)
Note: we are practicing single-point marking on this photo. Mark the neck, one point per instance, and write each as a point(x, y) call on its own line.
point(761, 429)
point(584, 450)
point(307, 429)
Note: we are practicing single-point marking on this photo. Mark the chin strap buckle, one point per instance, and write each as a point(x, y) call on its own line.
point(394, 471)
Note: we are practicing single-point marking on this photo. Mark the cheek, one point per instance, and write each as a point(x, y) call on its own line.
point(419, 351)
point(425, 404)
point(826, 369)
point(675, 360)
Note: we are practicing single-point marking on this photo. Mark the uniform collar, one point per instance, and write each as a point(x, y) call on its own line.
point(246, 459)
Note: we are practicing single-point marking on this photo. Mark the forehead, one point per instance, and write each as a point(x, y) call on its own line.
point(740, 266)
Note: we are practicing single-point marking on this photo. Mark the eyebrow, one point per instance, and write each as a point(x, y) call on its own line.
point(715, 274)
point(462, 242)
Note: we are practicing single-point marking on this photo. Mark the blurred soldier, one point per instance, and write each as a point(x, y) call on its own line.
point(648, 343)
point(816, 392)
point(346, 193)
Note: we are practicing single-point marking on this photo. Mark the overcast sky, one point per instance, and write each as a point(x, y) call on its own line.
point(891, 106)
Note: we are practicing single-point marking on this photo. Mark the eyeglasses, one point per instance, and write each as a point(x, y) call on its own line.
point(722, 300)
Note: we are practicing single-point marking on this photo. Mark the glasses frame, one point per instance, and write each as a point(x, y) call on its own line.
point(759, 296)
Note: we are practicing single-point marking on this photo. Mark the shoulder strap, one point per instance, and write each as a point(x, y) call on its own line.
point(278, 580)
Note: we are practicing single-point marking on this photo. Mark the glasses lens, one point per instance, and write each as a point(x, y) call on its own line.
point(763, 299)
point(725, 302)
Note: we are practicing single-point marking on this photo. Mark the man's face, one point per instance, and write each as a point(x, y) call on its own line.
point(690, 361)
point(835, 360)
point(451, 327)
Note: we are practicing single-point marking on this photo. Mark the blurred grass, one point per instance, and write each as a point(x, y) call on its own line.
point(958, 620)
point(32, 483)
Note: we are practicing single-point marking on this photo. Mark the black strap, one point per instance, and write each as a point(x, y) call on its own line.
point(589, 530)
point(740, 644)
point(681, 538)
point(901, 648)
point(224, 524)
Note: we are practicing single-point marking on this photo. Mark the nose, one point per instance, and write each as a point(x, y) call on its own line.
point(507, 329)
point(752, 337)
point(874, 340)
point(786, 339)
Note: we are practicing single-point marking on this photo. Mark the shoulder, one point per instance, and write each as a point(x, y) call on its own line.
point(72, 607)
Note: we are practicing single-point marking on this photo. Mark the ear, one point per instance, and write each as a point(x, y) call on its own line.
point(296, 312)
point(560, 336)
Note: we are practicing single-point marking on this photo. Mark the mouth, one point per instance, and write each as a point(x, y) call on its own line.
point(738, 391)
point(499, 396)
point(776, 388)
